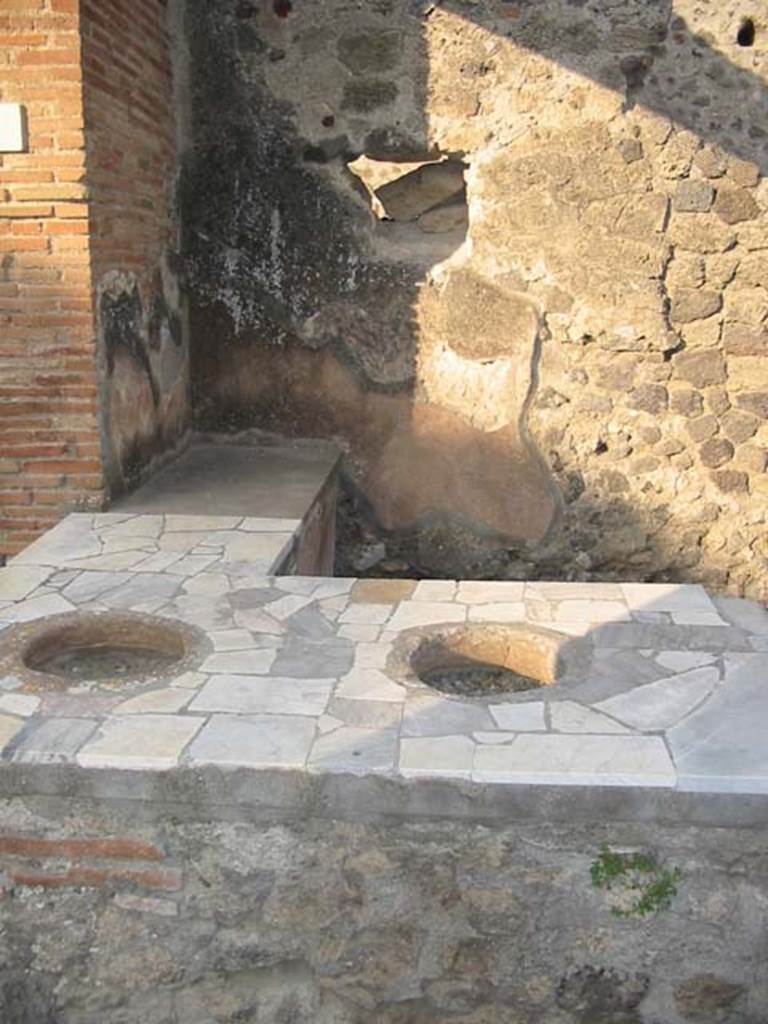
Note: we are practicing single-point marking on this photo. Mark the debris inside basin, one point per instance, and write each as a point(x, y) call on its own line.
point(478, 680)
point(107, 662)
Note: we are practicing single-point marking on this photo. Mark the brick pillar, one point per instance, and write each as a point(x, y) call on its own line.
point(49, 434)
point(93, 356)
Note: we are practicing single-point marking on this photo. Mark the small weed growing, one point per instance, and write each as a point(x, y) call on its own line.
point(647, 888)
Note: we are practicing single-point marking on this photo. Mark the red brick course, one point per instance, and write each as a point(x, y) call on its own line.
point(96, 861)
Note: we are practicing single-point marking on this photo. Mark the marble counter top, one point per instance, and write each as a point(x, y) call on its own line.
point(297, 674)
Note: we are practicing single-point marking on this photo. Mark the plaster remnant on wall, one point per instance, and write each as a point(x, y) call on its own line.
point(549, 350)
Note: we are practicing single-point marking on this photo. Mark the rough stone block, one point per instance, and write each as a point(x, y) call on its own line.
point(693, 196)
point(701, 369)
point(731, 481)
point(736, 205)
point(745, 340)
point(716, 452)
point(651, 398)
point(690, 304)
point(686, 403)
point(370, 52)
point(755, 402)
point(702, 428)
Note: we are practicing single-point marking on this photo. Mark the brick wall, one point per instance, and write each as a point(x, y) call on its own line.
point(49, 435)
point(129, 111)
point(93, 361)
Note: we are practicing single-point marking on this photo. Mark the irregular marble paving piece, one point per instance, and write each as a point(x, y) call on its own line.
point(410, 614)
point(568, 716)
point(254, 741)
point(489, 591)
point(501, 611)
point(254, 524)
point(354, 751)
point(575, 610)
point(190, 680)
point(667, 597)
point(369, 684)
point(681, 661)
point(18, 582)
point(139, 741)
point(364, 634)
point(434, 590)
point(72, 538)
point(116, 562)
point(266, 547)
point(661, 704)
point(231, 639)
point(180, 543)
point(371, 655)
point(141, 525)
point(253, 695)
point(54, 741)
point(287, 606)
point(166, 701)
point(519, 717)
point(181, 523)
point(21, 704)
point(158, 562)
point(366, 614)
point(494, 737)
point(431, 714)
point(9, 726)
point(443, 756)
point(255, 661)
point(577, 761)
point(38, 607)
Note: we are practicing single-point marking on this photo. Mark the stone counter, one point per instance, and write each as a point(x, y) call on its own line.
point(291, 826)
point(301, 692)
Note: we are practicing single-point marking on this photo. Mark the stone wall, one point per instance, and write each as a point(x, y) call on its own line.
point(555, 367)
point(110, 915)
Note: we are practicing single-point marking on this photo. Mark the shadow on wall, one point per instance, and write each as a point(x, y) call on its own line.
point(145, 387)
point(334, 289)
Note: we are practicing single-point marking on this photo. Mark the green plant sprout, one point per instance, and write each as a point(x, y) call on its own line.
point(652, 886)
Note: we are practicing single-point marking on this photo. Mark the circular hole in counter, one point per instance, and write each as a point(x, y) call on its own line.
point(487, 660)
point(111, 649)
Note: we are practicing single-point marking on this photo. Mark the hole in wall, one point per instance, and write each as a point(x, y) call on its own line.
point(746, 34)
point(430, 194)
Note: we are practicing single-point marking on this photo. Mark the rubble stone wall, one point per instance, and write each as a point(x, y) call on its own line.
point(558, 370)
point(110, 915)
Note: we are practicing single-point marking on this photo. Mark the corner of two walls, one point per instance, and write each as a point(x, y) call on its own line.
point(573, 383)
point(139, 308)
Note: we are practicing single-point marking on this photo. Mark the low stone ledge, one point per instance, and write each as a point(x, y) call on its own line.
point(215, 794)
